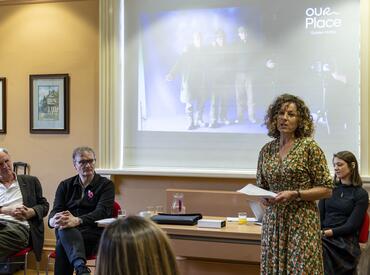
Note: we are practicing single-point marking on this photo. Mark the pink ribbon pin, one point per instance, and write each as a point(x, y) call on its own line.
point(90, 194)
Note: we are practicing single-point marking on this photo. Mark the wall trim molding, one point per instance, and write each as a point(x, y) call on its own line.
point(49, 243)
point(180, 172)
point(189, 172)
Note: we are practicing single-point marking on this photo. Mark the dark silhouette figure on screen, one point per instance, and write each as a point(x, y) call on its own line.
point(243, 79)
point(192, 67)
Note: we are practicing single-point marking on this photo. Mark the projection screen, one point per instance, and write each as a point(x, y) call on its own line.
point(200, 75)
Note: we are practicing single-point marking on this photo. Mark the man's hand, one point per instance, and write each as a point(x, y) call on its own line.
point(24, 213)
point(20, 212)
point(63, 220)
point(54, 219)
point(8, 210)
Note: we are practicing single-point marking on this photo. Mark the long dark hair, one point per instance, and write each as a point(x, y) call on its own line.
point(352, 163)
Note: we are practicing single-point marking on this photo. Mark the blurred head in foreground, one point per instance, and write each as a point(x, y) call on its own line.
point(135, 246)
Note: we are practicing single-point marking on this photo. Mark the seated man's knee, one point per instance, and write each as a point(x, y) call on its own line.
point(69, 234)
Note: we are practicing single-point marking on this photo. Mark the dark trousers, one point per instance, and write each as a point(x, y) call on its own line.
point(73, 244)
point(13, 237)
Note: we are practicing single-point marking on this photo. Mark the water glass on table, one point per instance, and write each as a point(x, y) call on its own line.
point(151, 210)
point(159, 209)
point(242, 218)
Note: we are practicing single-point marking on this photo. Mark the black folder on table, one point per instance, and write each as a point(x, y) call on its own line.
point(180, 219)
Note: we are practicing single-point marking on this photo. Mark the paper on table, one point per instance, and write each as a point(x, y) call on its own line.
point(106, 221)
point(256, 192)
point(236, 219)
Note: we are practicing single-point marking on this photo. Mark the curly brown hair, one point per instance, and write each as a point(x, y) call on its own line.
point(305, 123)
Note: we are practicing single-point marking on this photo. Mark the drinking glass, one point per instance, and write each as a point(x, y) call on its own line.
point(242, 218)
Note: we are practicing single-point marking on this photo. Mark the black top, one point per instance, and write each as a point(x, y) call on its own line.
point(93, 203)
point(344, 211)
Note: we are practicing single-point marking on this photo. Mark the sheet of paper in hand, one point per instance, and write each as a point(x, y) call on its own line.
point(254, 192)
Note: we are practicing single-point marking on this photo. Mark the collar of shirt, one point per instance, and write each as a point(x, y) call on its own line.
point(12, 185)
point(77, 181)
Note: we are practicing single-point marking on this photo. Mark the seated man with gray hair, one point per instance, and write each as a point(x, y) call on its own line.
point(22, 208)
point(79, 202)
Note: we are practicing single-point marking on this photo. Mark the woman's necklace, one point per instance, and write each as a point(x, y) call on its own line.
point(343, 184)
point(340, 189)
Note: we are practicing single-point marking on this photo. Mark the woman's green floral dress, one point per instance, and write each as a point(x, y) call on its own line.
point(291, 240)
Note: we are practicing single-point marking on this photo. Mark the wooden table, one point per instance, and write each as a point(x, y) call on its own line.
point(233, 249)
point(233, 242)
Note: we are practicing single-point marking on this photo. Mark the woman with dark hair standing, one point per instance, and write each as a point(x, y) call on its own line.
point(342, 216)
point(135, 246)
point(293, 166)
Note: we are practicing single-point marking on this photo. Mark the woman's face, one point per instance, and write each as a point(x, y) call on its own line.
point(287, 119)
point(341, 169)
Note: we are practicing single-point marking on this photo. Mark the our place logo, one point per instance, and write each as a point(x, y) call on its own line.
point(322, 20)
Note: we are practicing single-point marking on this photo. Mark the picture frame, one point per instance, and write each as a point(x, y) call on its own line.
point(49, 104)
point(3, 105)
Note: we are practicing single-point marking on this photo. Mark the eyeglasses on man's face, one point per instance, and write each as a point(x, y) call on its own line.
point(84, 162)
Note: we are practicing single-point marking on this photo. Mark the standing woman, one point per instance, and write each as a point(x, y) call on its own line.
point(342, 216)
point(293, 166)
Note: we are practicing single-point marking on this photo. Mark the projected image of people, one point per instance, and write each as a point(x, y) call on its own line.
point(213, 68)
point(243, 79)
point(220, 79)
point(194, 78)
point(333, 91)
point(192, 67)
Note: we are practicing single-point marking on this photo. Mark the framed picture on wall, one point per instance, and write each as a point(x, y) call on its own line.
point(2, 105)
point(49, 104)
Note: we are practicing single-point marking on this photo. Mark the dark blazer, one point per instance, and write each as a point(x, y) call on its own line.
point(32, 197)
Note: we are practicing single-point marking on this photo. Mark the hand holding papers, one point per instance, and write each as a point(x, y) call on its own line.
point(254, 195)
point(254, 192)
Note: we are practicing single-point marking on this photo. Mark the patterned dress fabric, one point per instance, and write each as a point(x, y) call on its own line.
point(291, 240)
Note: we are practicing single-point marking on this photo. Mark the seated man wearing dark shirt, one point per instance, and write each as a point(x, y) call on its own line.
point(79, 202)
